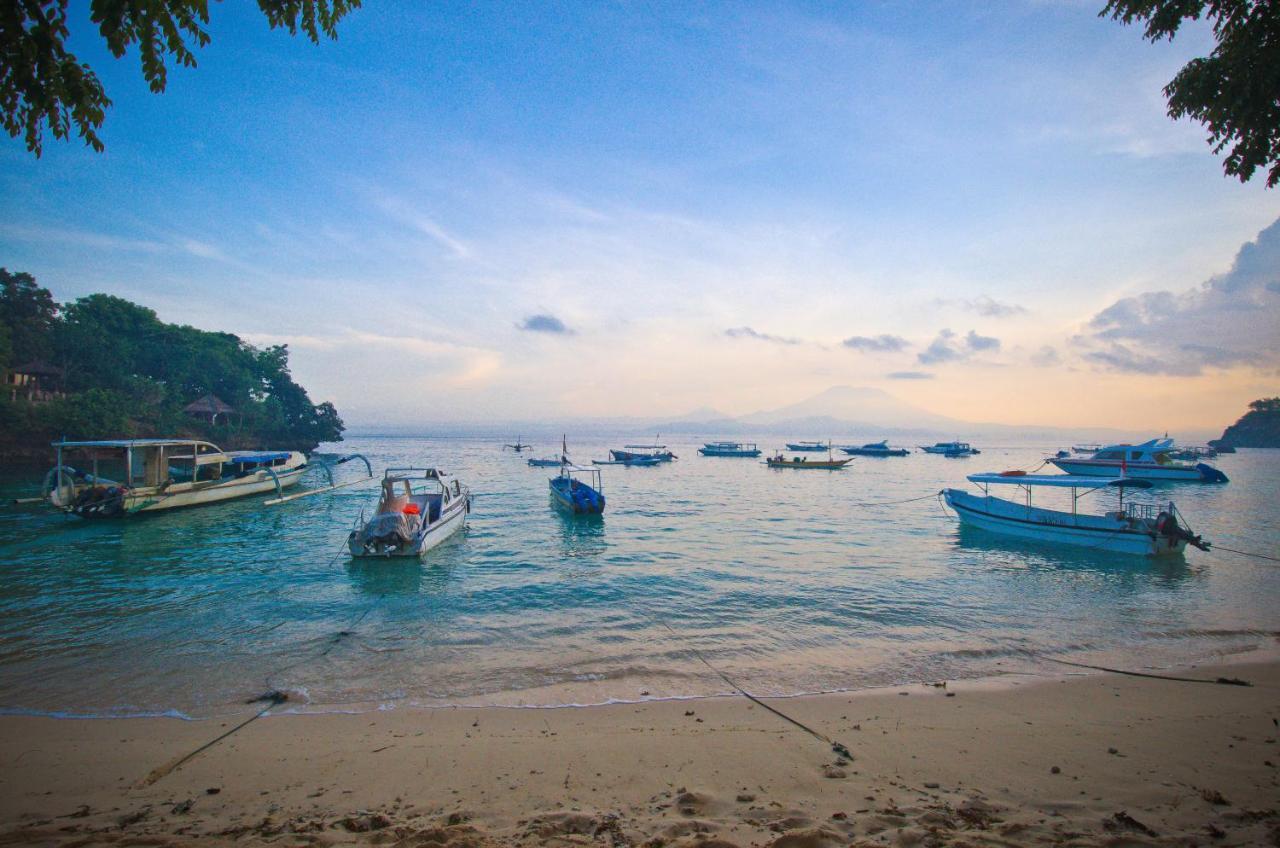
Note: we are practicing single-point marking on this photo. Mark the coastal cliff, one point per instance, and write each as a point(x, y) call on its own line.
point(1257, 428)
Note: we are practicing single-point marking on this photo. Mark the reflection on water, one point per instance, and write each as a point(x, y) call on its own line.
point(785, 580)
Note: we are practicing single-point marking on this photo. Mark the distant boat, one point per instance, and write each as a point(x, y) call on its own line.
point(729, 449)
point(632, 459)
point(808, 446)
point(951, 449)
point(418, 509)
point(1089, 448)
point(1150, 460)
point(548, 462)
point(658, 453)
point(781, 461)
point(518, 446)
point(875, 449)
point(1134, 528)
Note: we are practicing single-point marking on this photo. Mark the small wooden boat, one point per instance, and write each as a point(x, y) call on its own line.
point(729, 449)
point(574, 494)
point(875, 449)
point(518, 446)
point(1135, 528)
point(633, 459)
point(829, 464)
point(656, 453)
point(808, 446)
point(548, 462)
point(121, 477)
point(1150, 460)
point(418, 509)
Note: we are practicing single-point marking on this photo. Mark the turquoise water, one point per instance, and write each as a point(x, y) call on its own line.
point(779, 577)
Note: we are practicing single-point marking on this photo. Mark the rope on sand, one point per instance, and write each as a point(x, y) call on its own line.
point(1221, 681)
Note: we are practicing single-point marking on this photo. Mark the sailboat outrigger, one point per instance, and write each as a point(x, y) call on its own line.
point(1134, 528)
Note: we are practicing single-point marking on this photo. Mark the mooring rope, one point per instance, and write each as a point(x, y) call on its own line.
point(1221, 681)
point(1216, 547)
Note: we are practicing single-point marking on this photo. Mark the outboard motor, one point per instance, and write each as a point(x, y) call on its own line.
point(1209, 474)
point(1168, 527)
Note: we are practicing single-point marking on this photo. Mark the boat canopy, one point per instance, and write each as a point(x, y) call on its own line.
point(245, 457)
point(1070, 481)
point(132, 443)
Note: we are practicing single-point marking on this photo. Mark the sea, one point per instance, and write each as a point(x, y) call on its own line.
point(784, 581)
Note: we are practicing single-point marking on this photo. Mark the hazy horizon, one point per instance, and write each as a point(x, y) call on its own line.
point(481, 213)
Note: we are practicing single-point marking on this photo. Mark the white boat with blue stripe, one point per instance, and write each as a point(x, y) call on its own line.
point(1151, 460)
point(1132, 528)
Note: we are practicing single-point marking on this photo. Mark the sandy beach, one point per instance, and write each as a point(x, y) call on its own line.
point(1077, 760)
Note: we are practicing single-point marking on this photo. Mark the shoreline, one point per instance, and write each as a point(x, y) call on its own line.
point(1093, 759)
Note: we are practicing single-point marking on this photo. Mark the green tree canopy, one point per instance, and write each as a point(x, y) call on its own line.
point(27, 317)
point(44, 86)
point(1235, 90)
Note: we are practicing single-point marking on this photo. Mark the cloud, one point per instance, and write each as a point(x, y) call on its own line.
point(883, 343)
point(1045, 357)
point(545, 324)
point(909, 375)
point(1230, 320)
point(986, 306)
point(748, 333)
point(948, 347)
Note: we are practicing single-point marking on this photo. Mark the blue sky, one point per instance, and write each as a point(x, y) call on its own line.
point(650, 176)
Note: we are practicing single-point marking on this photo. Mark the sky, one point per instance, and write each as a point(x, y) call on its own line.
point(469, 212)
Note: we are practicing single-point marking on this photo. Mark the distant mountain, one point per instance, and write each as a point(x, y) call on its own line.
point(865, 406)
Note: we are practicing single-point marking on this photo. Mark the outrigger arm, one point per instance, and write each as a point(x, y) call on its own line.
point(328, 470)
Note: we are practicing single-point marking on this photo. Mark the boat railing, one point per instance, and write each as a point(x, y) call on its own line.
point(1143, 511)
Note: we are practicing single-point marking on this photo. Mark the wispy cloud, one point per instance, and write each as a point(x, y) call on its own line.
point(1046, 356)
point(417, 220)
point(909, 375)
point(80, 238)
point(883, 343)
point(948, 347)
point(985, 306)
point(545, 324)
point(749, 333)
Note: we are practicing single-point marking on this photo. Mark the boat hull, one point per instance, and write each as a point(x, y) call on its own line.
point(832, 465)
point(153, 500)
point(739, 453)
point(1053, 528)
point(804, 447)
point(592, 503)
point(1136, 470)
point(872, 452)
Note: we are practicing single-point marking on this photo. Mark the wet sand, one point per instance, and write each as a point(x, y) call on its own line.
point(1098, 760)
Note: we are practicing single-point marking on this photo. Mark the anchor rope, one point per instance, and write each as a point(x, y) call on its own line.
point(1221, 681)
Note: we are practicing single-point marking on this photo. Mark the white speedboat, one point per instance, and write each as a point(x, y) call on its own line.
point(418, 509)
point(1150, 460)
point(1134, 528)
point(951, 449)
point(121, 477)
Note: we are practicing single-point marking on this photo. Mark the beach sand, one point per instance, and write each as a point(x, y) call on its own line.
point(1097, 760)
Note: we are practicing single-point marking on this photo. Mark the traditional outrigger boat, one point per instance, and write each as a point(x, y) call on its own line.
point(1150, 460)
point(808, 446)
point(1135, 528)
point(875, 449)
point(630, 459)
point(575, 495)
point(518, 446)
point(119, 477)
point(830, 464)
point(418, 508)
point(729, 449)
point(548, 462)
point(631, 453)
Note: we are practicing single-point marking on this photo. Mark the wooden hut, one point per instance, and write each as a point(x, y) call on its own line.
point(209, 408)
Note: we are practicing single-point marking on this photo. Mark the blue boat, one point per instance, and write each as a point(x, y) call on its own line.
point(575, 495)
point(729, 449)
point(807, 446)
point(875, 449)
point(655, 454)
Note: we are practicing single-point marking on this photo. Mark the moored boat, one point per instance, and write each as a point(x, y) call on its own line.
point(418, 508)
point(951, 449)
point(875, 449)
point(1135, 528)
point(1152, 460)
point(657, 453)
point(120, 477)
point(633, 459)
point(1086, 448)
point(808, 446)
point(574, 494)
point(780, 461)
point(548, 462)
point(518, 446)
point(729, 449)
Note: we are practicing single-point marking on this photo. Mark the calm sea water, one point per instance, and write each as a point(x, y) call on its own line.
point(781, 578)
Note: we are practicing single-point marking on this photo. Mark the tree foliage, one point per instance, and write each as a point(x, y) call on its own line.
point(44, 86)
point(131, 374)
point(1235, 90)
